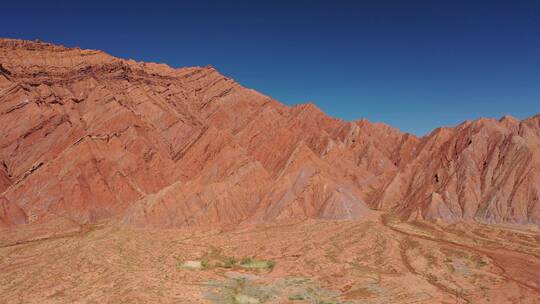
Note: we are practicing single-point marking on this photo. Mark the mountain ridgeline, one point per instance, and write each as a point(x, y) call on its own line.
point(86, 136)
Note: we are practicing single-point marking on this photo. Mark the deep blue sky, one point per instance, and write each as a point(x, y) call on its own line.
point(413, 64)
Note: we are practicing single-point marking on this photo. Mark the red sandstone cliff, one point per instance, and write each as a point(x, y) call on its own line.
point(87, 136)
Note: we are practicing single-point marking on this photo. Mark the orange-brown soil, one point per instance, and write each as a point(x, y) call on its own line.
point(376, 260)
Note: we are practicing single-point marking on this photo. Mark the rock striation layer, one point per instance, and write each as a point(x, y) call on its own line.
point(86, 136)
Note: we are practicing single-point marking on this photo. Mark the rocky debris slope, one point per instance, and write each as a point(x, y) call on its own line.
point(89, 136)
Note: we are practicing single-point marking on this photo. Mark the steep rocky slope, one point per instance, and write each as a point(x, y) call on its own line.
point(87, 136)
point(486, 170)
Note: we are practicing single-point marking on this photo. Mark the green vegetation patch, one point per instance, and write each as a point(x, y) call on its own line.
point(216, 260)
point(296, 297)
point(256, 264)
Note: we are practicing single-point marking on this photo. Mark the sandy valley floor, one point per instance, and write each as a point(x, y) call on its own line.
point(374, 261)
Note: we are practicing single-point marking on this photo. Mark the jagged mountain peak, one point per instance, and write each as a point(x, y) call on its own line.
point(91, 136)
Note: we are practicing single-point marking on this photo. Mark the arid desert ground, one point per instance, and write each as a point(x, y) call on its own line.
point(377, 260)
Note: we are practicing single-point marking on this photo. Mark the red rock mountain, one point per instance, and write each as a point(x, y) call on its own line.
point(87, 136)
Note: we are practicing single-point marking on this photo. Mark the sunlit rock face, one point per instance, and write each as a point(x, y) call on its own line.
point(86, 136)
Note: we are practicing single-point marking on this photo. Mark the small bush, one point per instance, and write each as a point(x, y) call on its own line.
point(204, 263)
point(296, 298)
point(229, 262)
